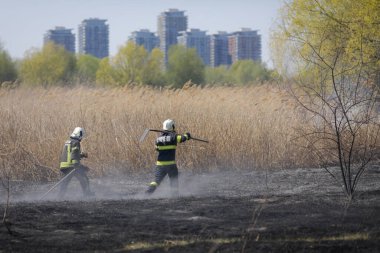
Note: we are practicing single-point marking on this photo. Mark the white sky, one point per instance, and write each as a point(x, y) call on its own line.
point(23, 23)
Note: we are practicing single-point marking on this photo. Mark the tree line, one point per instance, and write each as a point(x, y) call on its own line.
point(52, 65)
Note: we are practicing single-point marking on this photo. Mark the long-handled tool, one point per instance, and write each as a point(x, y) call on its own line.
point(58, 183)
point(142, 138)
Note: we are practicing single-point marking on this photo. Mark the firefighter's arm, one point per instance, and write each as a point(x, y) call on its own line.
point(183, 137)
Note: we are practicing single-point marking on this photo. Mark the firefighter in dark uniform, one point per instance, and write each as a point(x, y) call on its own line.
point(70, 160)
point(166, 145)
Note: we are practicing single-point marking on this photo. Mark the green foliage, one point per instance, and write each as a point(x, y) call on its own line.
point(8, 70)
point(51, 66)
point(132, 64)
point(218, 76)
point(316, 35)
point(87, 65)
point(243, 72)
point(246, 72)
point(105, 73)
point(184, 64)
point(152, 71)
point(129, 63)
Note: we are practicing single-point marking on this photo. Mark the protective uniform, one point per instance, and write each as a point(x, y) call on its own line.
point(166, 145)
point(70, 160)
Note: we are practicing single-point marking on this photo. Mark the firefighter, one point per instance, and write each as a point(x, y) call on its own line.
point(166, 145)
point(70, 160)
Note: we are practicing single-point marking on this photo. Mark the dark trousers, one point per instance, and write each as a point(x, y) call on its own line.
point(80, 173)
point(160, 173)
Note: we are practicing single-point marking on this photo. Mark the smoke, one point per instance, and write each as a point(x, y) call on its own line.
point(223, 183)
point(134, 187)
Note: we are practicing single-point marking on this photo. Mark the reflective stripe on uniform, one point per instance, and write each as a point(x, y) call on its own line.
point(168, 147)
point(69, 153)
point(69, 162)
point(165, 163)
point(65, 164)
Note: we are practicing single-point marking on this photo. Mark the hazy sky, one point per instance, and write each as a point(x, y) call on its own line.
point(23, 23)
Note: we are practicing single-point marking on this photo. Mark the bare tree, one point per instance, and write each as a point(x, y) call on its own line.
point(342, 127)
point(331, 49)
point(342, 131)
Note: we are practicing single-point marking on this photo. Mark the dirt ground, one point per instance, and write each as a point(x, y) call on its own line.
point(300, 210)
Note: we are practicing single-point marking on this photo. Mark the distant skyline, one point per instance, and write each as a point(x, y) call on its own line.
point(23, 23)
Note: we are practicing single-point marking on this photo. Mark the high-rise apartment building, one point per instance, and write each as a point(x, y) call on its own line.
point(245, 45)
point(145, 38)
point(169, 24)
point(219, 54)
point(195, 38)
point(61, 36)
point(93, 37)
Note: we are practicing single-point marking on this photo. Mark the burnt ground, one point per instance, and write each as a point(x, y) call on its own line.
point(301, 210)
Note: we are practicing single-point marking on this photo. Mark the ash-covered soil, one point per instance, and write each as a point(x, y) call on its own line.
point(295, 210)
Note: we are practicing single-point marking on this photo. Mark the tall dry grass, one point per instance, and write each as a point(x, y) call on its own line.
point(248, 128)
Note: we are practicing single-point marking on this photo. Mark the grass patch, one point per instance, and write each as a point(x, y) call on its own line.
point(177, 243)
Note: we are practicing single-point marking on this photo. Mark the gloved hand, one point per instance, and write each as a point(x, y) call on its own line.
point(84, 154)
point(188, 136)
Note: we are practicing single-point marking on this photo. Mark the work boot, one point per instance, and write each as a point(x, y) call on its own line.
point(150, 190)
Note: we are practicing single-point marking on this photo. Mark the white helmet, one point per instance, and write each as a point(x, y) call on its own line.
point(168, 125)
point(78, 133)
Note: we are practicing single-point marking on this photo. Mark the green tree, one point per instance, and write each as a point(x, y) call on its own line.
point(218, 76)
point(8, 70)
point(87, 66)
point(105, 74)
point(129, 63)
point(311, 33)
point(50, 66)
point(184, 64)
point(330, 49)
point(152, 72)
point(246, 72)
point(132, 64)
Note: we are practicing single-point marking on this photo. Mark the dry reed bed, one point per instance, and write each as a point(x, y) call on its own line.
point(248, 127)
